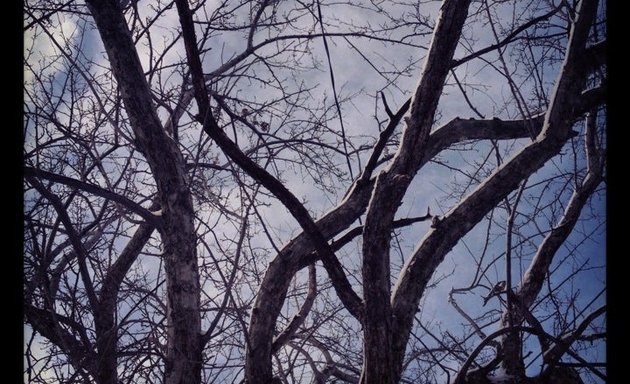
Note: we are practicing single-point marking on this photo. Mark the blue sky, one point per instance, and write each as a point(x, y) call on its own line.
point(432, 187)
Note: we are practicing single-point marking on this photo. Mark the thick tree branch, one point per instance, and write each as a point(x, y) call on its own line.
point(183, 362)
point(391, 185)
point(459, 220)
point(118, 270)
point(160, 150)
point(297, 254)
point(357, 231)
point(534, 277)
point(95, 190)
point(331, 263)
point(461, 130)
point(299, 318)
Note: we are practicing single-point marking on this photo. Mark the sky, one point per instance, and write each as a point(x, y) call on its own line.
point(356, 78)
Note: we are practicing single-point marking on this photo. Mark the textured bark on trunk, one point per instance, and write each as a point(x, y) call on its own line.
point(106, 368)
point(382, 358)
point(258, 367)
point(301, 251)
point(378, 361)
point(183, 359)
point(378, 357)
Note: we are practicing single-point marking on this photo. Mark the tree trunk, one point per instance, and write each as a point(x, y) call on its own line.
point(183, 359)
point(378, 357)
point(107, 369)
point(382, 357)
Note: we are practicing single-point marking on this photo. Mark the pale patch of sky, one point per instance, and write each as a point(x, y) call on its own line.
point(353, 77)
point(41, 46)
point(36, 352)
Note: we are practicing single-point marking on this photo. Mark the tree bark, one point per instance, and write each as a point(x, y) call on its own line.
point(382, 358)
point(568, 85)
point(183, 359)
point(301, 252)
point(386, 312)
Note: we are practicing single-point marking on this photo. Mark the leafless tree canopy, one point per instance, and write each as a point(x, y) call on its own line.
point(267, 191)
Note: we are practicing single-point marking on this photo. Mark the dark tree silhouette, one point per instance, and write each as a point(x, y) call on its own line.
point(206, 199)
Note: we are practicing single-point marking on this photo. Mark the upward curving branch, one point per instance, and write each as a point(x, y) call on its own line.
point(391, 185)
point(285, 336)
point(183, 361)
point(95, 190)
point(342, 286)
point(459, 220)
point(535, 276)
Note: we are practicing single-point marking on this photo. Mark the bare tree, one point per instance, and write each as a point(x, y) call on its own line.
point(164, 143)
